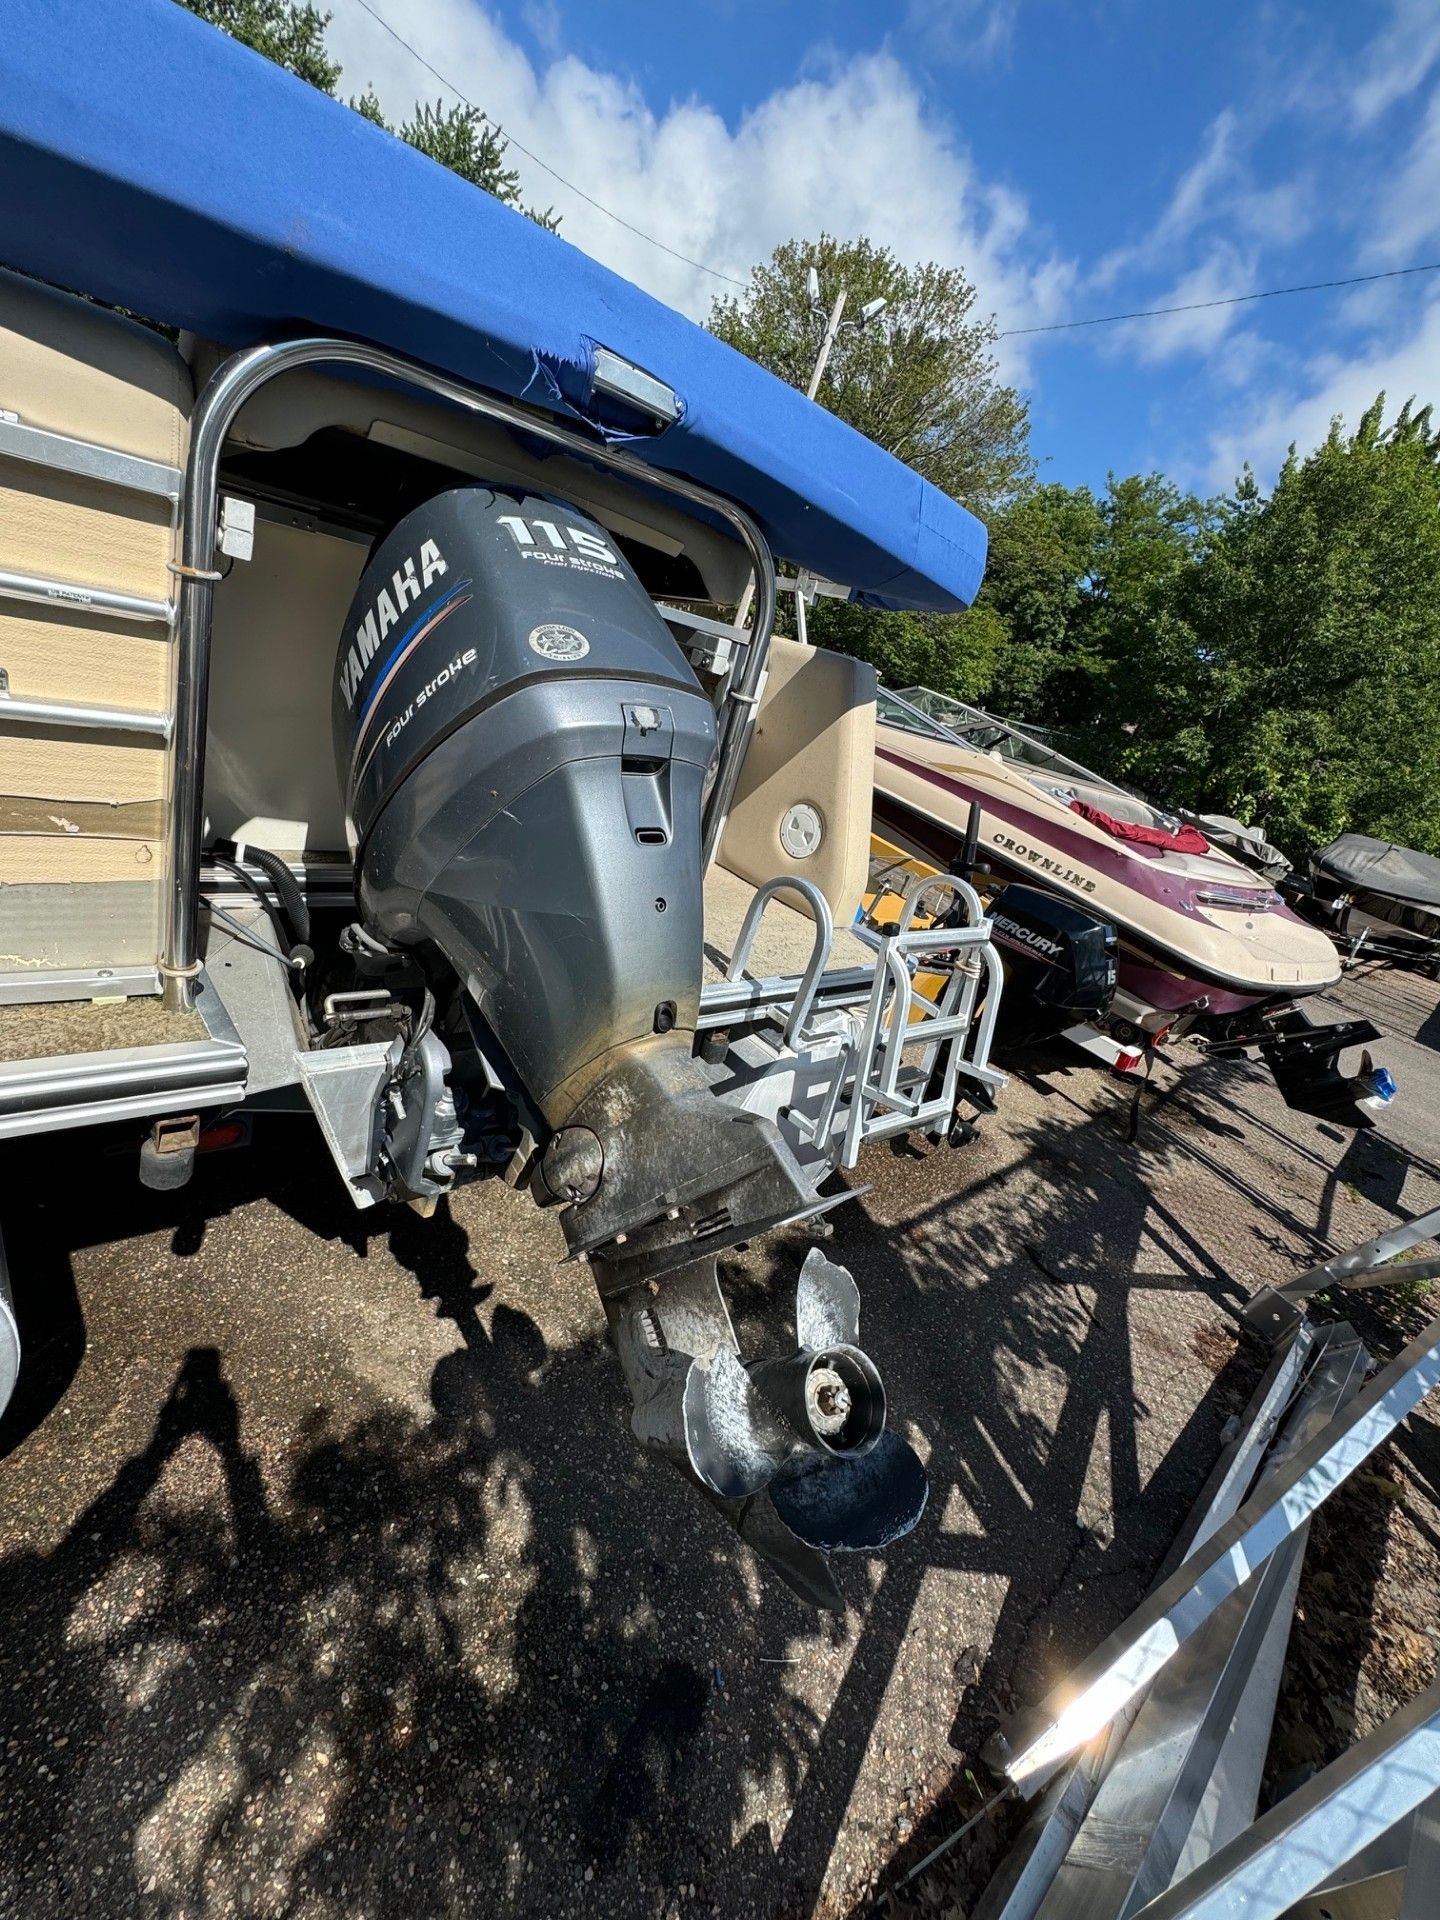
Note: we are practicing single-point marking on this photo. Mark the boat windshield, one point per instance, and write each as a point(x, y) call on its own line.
point(938, 717)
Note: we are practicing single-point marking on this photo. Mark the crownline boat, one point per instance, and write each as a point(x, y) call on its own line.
point(1203, 946)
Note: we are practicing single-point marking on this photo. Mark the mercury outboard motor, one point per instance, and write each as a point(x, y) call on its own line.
point(523, 749)
point(1059, 963)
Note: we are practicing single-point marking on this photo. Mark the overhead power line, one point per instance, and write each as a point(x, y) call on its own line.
point(1231, 300)
point(554, 172)
point(1009, 333)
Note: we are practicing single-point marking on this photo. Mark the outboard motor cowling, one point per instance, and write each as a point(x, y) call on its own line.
point(1059, 962)
point(523, 749)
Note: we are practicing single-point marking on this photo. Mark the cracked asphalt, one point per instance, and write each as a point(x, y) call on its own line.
point(333, 1583)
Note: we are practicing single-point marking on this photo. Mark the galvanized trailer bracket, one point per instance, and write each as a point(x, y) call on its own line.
point(1016, 1893)
point(1128, 1846)
point(1275, 1310)
point(1030, 1748)
point(1313, 1832)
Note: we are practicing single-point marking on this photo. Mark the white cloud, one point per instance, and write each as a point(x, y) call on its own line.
point(1219, 209)
point(1220, 276)
point(1403, 364)
point(542, 17)
point(848, 146)
point(1407, 206)
point(1398, 60)
point(1194, 197)
point(978, 32)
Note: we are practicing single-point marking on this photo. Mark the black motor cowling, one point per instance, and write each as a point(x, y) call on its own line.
point(1059, 963)
point(523, 749)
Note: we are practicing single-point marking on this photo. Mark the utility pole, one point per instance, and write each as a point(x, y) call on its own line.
point(870, 311)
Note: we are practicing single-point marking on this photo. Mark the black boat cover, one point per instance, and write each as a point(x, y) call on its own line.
point(1363, 865)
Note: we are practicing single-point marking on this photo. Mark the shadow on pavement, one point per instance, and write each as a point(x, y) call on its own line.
point(460, 1656)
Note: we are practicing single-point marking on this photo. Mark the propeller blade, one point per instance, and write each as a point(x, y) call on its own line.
point(734, 1442)
point(853, 1503)
point(806, 1572)
point(827, 1305)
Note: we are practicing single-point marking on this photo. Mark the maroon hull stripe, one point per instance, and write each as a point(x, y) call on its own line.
point(1147, 970)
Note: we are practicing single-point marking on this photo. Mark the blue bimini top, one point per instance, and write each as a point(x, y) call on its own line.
point(155, 163)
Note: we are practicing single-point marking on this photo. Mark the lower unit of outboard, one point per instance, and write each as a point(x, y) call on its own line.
point(523, 749)
point(1304, 1056)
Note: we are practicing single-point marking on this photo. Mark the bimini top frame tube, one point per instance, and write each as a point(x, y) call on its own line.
point(237, 381)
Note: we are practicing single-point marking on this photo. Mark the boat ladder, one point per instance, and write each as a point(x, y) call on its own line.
point(900, 1068)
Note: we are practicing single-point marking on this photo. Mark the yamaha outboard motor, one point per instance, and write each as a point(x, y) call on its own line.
point(523, 749)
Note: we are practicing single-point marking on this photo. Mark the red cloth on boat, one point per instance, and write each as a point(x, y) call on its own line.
point(1186, 839)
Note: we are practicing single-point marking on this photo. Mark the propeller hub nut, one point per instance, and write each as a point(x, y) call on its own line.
point(828, 1400)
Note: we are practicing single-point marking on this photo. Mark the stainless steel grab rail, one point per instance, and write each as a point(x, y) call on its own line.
point(235, 382)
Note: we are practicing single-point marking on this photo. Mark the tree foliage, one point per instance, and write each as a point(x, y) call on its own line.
point(285, 31)
point(921, 379)
point(1273, 657)
point(1290, 673)
point(292, 34)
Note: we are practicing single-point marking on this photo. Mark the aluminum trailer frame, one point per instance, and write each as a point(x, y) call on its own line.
point(1153, 1822)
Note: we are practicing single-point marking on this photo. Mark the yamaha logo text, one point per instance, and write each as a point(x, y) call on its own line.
point(406, 585)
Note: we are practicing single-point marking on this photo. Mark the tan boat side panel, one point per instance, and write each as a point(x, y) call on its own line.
point(63, 1027)
point(74, 368)
point(81, 814)
point(63, 526)
point(31, 859)
point(814, 742)
point(50, 766)
point(55, 653)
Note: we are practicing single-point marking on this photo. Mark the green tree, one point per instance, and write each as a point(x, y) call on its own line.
point(292, 34)
point(288, 32)
point(921, 379)
point(953, 653)
point(1043, 548)
point(1294, 669)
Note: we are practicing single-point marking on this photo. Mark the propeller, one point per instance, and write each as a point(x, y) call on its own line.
point(794, 1450)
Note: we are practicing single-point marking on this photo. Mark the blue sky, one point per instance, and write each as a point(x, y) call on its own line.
point(1076, 159)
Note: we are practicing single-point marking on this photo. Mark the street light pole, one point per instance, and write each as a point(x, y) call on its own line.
point(870, 311)
point(832, 328)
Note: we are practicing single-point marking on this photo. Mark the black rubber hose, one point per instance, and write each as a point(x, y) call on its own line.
point(283, 880)
point(422, 1026)
point(272, 912)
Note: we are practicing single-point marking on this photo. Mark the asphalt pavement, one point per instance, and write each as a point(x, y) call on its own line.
point(333, 1583)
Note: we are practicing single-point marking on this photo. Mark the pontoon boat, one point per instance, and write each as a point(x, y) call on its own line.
point(365, 754)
